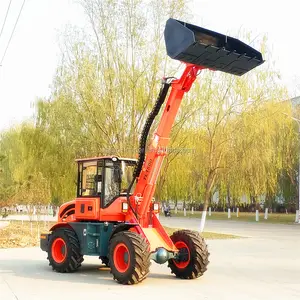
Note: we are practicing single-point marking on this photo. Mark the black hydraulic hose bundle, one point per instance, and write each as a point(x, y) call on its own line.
point(142, 149)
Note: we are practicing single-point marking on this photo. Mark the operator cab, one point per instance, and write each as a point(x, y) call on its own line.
point(106, 178)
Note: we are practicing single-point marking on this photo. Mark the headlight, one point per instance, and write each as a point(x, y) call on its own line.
point(155, 207)
point(124, 206)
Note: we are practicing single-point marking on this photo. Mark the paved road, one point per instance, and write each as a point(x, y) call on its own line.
point(248, 229)
point(34, 217)
point(265, 266)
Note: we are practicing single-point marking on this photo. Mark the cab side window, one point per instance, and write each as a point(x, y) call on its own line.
point(112, 186)
point(89, 179)
point(89, 173)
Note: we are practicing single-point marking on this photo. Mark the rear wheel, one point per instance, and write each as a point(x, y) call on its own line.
point(64, 251)
point(105, 260)
point(193, 255)
point(129, 257)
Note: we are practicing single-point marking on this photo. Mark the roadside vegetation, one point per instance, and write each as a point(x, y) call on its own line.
point(273, 218)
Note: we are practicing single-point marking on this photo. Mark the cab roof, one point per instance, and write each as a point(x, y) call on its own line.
point(103, 157)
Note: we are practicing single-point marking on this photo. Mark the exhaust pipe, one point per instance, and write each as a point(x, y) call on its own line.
point(199, 46)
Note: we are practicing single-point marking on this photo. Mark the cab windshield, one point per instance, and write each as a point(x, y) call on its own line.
point(105, 178)
point(127, 169)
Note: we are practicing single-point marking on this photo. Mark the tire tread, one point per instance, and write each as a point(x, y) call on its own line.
point(141, 258)
point(199, 253)
point(73, 261)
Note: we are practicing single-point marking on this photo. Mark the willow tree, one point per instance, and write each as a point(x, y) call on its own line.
point(108, 78)
point(111, 74)
point(29, 166)
point(6, 183)
point(105, 86)
point(261, 151)
point(215, 129)
point(218, 129)
point(8, 157)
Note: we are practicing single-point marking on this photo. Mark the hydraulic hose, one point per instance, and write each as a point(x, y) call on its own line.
point(145, 132)
point(142, 149)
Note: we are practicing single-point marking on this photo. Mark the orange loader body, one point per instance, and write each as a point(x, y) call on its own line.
point(121, 225)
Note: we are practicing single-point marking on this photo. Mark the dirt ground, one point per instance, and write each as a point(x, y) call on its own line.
point(18, 234)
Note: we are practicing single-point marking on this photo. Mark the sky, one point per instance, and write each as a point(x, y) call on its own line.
point(33, 54)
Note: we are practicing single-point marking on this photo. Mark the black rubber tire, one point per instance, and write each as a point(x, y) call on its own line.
point(105, 260)
point(73, 258)
point(198, 255)
point(139, 257)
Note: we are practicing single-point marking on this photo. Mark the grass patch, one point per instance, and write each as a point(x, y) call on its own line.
point(243, 216)
point(26, 234)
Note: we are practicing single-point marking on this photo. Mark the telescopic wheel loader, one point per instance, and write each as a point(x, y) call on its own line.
point(114, 215)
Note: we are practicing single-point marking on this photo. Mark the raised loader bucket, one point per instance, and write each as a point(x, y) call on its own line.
point(196, 45)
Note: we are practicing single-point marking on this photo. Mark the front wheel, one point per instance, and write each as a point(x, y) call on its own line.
point(129, 257)
point(64, 251)
point(193, 255)
point(105, 260)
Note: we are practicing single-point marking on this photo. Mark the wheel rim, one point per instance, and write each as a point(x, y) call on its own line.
point(121, 258)
point(182, 247)
point(59, 250)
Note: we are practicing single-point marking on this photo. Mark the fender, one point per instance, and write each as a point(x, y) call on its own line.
point(123, 227)
point(59, 225)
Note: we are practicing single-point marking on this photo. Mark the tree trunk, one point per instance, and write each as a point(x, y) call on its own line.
point(228, 197)
point(206, 200)
point(209, 184)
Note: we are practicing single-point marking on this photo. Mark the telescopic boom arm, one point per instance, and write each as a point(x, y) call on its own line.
point(145, 187)
point(198, 48)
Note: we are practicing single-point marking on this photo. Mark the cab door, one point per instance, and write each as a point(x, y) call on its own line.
point(89, 191)
point(111, 202)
